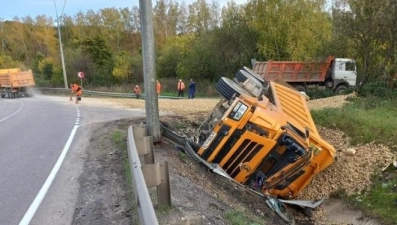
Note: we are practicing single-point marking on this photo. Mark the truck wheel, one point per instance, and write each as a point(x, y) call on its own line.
point(243, 75)
point(340, 90)
point(227, 88)
point(254, 83)
point(253, 74)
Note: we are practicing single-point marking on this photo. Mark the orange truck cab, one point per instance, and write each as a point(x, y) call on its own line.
point(266, 140)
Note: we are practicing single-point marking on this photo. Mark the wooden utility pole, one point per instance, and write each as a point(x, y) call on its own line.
point(149, 70)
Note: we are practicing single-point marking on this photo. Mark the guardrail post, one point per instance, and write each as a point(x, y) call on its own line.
point(144, 143)
point(164, 188)
point(150, 175)
point(155, 174)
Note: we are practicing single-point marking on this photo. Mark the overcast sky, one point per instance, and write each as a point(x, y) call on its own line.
point(22, 8)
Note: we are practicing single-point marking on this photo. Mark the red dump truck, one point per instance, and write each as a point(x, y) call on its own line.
point(336, 74)
point(15, 83)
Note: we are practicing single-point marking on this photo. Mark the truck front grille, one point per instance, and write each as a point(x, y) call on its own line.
point(244, 153)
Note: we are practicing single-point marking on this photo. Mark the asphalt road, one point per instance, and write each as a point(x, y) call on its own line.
point(34, 133)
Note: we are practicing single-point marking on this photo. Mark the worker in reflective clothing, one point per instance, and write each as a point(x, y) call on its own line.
point(158, 88)
point(137, 91)
point(181, 88)
point(77, 90)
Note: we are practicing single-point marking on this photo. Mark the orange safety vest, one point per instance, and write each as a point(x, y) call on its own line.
point(158, 88)
point(181, 85)
point(137, 90)
point(76, 88)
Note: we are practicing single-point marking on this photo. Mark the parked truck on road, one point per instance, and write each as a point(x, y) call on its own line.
point(15, 83)
point(336, 74)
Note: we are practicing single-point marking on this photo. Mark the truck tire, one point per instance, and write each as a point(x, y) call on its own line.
point(254, 75)
point(243, 75)
point(341, 89)
point(227, 88)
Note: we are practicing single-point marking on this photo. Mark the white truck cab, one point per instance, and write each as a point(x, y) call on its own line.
point(345, 69)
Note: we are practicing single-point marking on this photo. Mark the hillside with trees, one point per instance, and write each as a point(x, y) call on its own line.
point(203, 40)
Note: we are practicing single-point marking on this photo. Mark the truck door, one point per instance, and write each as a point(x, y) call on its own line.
point(345, 69)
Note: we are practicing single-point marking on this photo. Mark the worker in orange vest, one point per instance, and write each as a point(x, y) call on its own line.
point(76, 89)
point(137, 91)
point(158, 88)
point(181, 88)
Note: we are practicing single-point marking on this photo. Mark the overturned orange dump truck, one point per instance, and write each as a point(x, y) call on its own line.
point(261, 134)
point(15, 83)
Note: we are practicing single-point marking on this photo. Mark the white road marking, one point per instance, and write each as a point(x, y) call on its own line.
point(14, 113)
point(47, 184)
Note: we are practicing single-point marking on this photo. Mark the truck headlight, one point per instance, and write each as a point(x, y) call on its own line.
point(239, 111)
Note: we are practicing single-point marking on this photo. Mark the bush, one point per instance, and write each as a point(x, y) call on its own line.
point(378, 89)
point(316, 93)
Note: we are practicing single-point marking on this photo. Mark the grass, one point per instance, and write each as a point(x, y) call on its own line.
point(363, 120)
point(204, 88)
point(119, 139)
point(379, 201)
point(183, 157)
point(367, 120)
point(239, 218)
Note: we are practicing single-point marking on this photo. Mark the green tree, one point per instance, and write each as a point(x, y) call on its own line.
point(174, 51)
point(235, 41)
point(289, 30)
point(200, 63)
point(122, 66)
point(369, 30)
point(100, 60)
point(7, 62)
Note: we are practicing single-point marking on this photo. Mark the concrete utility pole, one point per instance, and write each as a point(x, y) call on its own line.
point(61, 48)
point(149, 70)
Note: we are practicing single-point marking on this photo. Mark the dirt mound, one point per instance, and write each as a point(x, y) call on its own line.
point(351, 171)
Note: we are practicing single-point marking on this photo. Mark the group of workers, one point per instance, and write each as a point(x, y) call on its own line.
point(77, 90)
point(180, 88)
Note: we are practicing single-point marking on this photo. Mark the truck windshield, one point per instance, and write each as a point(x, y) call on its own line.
point(351, 66)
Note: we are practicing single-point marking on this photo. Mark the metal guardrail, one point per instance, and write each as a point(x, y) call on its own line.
point(150, 174)
point(100, 93)
point(146, 213)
